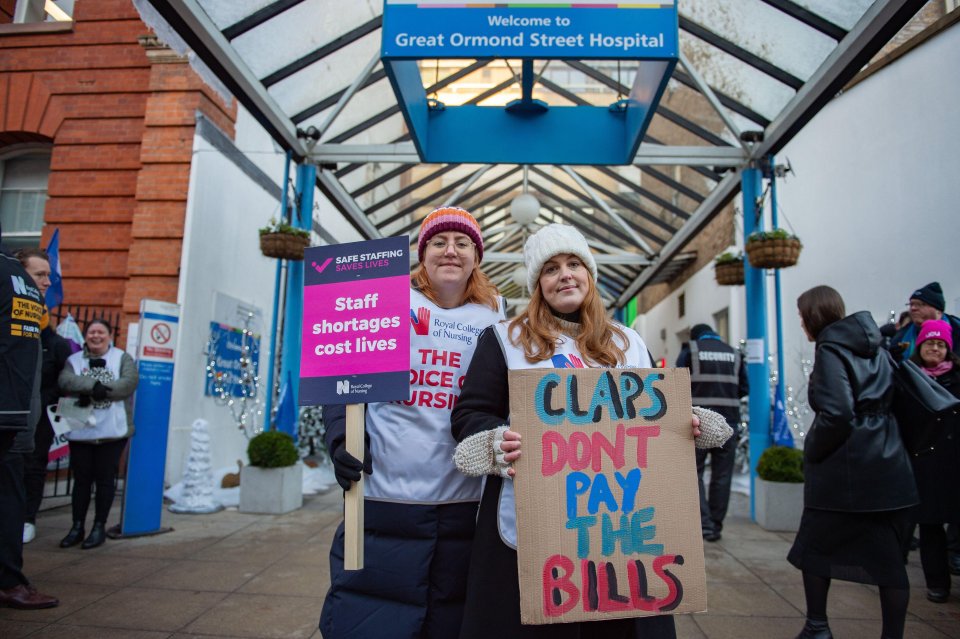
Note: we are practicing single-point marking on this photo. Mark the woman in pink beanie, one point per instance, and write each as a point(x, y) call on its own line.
point(419, 512)
point(934, 445)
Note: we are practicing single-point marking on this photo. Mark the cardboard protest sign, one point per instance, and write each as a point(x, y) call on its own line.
point(608, 517)
point(356, 335)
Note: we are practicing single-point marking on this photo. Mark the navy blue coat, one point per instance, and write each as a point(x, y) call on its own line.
point(416, 556)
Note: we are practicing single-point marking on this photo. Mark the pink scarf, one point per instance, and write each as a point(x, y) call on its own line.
point(943, 367)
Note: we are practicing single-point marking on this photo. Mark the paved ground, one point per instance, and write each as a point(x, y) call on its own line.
point(236, 575)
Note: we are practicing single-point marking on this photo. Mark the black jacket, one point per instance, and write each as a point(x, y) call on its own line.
point(20, 308)
point(936, 459)
point(854, 459)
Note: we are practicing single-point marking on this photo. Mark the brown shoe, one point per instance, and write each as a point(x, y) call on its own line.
point(26, 598)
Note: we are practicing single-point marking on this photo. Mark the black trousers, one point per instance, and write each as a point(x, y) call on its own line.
point(11, 515)
point(933, 556)
point(94, 464)
point(35, 468)
point(713, 504)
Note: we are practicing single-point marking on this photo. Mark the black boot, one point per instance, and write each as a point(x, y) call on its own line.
point(98, 535)
point(74, 537)
point(815, 629)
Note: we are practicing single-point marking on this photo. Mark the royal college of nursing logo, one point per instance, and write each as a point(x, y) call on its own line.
point(343, 387)
point(566, 361)
point(420, 321)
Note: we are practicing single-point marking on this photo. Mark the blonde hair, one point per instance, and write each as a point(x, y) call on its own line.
point(537, 330)
point(480, 290)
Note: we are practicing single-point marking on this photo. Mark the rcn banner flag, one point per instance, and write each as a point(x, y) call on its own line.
point(356, 333)
point(781, 425)
point(55, 292)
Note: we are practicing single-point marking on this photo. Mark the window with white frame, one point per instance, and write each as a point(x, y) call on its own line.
point(23, 197)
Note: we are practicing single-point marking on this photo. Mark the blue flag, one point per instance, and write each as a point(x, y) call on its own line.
point(781, 426)
point(55, 292)
point(285, 420)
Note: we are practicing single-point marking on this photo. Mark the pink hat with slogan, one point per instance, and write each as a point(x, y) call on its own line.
point(936, 329)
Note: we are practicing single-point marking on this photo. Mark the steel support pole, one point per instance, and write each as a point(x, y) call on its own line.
point(758, 369)
point(275, 319)
point(774, 224)
point(293, 314)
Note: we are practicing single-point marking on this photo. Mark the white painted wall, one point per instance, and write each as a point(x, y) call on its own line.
point(874, 199)
point(220, 253)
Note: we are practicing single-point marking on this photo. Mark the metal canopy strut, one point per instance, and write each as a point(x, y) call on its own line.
point(635, 215)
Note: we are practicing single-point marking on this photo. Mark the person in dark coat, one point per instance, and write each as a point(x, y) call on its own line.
point(21, 307)
point(564, 326)
point(934, 445)
point(858, 485)
point(718, 379)
point(56, 350)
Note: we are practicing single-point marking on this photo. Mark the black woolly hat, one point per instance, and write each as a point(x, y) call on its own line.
point(931, 294)
point(699, 330)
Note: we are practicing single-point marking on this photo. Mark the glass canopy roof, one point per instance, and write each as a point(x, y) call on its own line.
point(763, 66)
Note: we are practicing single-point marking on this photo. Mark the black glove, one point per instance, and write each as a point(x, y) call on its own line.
point(83, 401)
point(99, 392)
point(347, 468)
point(99, 362)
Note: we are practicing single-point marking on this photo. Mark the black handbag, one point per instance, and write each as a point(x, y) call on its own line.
point(918, 400)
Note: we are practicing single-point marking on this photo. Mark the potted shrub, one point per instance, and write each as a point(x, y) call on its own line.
point(728, 269)
point(773, 249)
point(280, 240)
point(779, 489)
point(273, 482)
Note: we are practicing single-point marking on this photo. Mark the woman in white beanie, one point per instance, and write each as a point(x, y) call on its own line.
point(565, 325)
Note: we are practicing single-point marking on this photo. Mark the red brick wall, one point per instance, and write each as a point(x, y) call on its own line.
point(119, 113)
point(6, 10)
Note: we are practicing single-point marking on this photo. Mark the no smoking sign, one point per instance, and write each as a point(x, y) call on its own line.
point(160, 333)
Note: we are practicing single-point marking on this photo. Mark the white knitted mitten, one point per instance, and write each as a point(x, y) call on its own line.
point(481, 454)
point(714, 429)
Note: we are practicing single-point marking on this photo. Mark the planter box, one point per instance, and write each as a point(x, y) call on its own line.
point(271, 490)
point(778, 505)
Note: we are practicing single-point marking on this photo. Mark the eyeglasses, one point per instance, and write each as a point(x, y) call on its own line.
point(460, 245)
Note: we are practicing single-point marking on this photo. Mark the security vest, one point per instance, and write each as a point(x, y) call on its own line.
point(565, 355)
point(715, 377)
point(412, 436)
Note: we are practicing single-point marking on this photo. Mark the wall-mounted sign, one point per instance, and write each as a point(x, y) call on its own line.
point(227, 354)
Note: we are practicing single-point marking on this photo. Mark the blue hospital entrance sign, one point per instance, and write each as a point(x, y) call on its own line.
point(588, 29)
point(524, 131)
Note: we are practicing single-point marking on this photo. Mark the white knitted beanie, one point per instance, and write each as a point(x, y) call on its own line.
point(554, 239)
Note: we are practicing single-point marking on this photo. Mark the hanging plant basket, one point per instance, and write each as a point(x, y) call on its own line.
point(280, 240)
point(283, 245)
point(773, 249)
point(728, 270)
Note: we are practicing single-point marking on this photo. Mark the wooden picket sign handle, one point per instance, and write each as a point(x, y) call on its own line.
point(353, 498)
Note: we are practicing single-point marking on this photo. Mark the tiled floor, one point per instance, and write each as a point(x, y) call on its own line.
point(232, 575)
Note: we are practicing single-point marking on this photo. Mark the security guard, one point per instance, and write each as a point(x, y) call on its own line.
point(718, 379)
